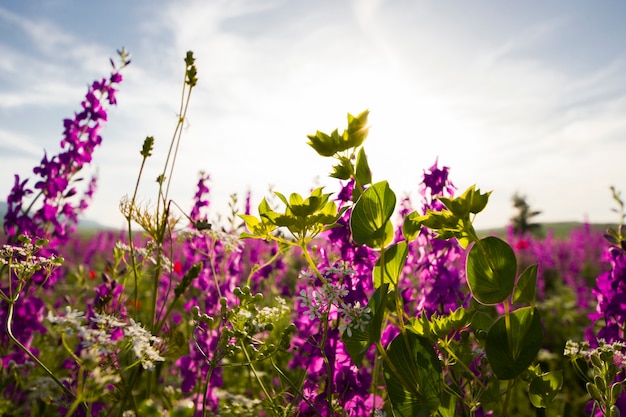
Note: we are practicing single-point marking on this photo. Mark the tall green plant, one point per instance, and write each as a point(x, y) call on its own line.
point(418, 382)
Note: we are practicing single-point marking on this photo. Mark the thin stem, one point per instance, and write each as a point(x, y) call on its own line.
point(509, 390)
point(131, 244)
point(9, 322)
point(294, 387)
point(256, 375)
point(444, 344)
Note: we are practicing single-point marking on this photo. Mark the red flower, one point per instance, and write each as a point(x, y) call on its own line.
point(522, 244)
point(178, 267)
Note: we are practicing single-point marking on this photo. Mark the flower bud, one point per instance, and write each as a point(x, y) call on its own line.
point(599, 382)
point(594, 392)
point(616, 390)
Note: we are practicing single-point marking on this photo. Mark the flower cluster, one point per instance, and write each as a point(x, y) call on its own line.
point(103, 335)
point(57, 185)
point(328, 297)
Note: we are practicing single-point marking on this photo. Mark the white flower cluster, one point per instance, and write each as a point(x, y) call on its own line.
point(320, 300)
point(355, 316)
point(24, 257)
point(144, 252)
point(231, 242)
point(98, 342)
point(143, 343)
point(583, 350)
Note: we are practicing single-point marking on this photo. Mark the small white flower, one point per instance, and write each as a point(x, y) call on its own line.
point(142, 344)
point(106, 320)
point(354, 317)
point(72, 320)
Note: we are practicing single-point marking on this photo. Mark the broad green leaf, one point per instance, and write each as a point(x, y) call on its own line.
point(359, 342)
point(414, 377)
point(411, 226)
point(544, 388)
point(511, 353)
point(491, 268)
point(390, 264)
point(369, 222)
point(363, 172)
point(526, 287)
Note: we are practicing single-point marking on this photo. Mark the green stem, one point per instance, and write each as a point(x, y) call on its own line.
point(507, 398)
point(256, 375)
point(294, 387)
point(9, 322)
point(131, 244)
point(446, 347)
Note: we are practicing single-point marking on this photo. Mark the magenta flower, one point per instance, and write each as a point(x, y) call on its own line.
point(56, 206)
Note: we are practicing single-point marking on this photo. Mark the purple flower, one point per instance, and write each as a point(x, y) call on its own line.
point(59, 206)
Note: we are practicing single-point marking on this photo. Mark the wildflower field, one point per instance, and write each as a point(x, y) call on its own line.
point(354, 303)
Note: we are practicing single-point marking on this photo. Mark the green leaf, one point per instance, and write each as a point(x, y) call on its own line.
point(363, 172)
point(544, 388)
point(526, 287)
point(353, 137)
point(414, 378)
point(359, 342)
point(511, 352)
point(411, 226)
point(322, 143)
point(257, 229)
point(357, 129)
point(438, 327)
point(343, 170)
point(389, 266)
point(448, 405)
point(471, 201)
point(369, 222)
point(491, 268)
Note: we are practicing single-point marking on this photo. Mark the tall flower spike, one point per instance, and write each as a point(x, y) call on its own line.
point(57, 213)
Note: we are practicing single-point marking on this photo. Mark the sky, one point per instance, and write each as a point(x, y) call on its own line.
point(515, 97)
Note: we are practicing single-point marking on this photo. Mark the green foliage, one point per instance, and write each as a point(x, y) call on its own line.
point(544, 388)
point(513, 342)
point(360, 341)
point(526, 287)
point(413, 376)
point(370, 222)
point(491, 269)
point(335, 143)
point(304, 218)
point(455, 222)
point(388, 268)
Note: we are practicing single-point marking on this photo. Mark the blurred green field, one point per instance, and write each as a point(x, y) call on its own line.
point(560, 230)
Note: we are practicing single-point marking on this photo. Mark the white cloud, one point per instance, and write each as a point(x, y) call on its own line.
point(492, 108)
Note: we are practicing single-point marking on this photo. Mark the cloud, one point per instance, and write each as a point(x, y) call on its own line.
point(485, 89)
